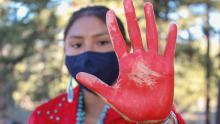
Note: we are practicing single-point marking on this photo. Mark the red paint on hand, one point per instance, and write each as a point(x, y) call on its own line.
point(145, 86)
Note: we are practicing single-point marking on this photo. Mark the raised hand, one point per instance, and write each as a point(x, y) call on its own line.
point(144, 89)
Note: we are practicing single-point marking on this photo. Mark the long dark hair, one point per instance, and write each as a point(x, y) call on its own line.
point(97, 11)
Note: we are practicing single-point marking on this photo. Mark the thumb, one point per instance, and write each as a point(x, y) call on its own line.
point(96, 85)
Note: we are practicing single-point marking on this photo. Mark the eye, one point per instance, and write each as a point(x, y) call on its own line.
point(76, 45)
point(103, 42)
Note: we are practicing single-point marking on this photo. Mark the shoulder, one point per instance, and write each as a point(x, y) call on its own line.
point(53, 110)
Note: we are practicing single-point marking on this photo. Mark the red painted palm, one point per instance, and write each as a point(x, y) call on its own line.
point(145, 86)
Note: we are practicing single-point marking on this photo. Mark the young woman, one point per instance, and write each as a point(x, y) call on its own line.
point(115, 86)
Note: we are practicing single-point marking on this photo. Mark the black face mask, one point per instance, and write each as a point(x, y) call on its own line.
point(102, 65)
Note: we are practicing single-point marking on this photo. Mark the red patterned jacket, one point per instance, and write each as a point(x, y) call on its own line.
point(60, 111)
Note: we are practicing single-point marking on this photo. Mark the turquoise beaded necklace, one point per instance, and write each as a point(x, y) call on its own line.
point(81, 113)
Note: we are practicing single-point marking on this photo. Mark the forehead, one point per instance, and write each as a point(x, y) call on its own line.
point(87, 26)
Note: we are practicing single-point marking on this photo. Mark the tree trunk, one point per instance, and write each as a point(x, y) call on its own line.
point(208, 65)
point(7, 87)
point(218, 105)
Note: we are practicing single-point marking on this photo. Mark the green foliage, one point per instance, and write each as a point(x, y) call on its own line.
point(24, 37)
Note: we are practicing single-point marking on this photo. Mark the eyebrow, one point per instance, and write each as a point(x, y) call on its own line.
point(100, 34)
point(95, 35)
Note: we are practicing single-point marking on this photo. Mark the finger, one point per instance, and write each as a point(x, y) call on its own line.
point(133, 28)
point(95, 84)
point(171, 43)
point(115, 34)
point(151, 29)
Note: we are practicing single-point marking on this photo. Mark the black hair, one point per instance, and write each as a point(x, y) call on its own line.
point(97, 11)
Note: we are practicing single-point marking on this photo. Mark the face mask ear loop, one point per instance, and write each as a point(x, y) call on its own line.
point(70, 91)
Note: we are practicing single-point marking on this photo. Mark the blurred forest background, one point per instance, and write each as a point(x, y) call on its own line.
point(32, 66)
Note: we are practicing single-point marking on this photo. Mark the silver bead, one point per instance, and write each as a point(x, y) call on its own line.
point(63, 99)
point(48, 112)
point(57, 118)
point(51, 117)
point(38, 112)
point(55, 111)
point(60, 104)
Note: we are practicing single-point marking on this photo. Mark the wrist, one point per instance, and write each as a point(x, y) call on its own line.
point(171, 119)
point(152, 121)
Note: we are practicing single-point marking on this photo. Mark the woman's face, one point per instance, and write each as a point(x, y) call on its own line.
point(87, 33)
